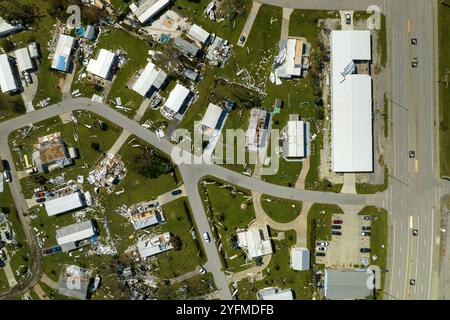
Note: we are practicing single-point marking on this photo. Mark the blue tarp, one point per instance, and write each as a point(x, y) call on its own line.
point(61, 63)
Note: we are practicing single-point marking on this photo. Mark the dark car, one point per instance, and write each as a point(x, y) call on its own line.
point(336, 233)
point(7, 176)
point(337, 221)
point(415, 232)
point(366, 234)
point(365, 250)
point(40, 194)
point(40, 200)
point(320, 254)
point(412, 282)
point(242, 39)
point(414, 64)
point(336, 227)
point(412, 154)
point(414, 41)
point(176, 192)
point(366, 228)
point(367, 218)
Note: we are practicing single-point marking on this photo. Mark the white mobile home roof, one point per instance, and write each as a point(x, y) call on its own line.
point(102, 65)
point(7, 28)
point(275, 294)
point(23, 59)
point(62, 52)
point(148, 78)
point(148, 9)
point(198, 33)
point(177, 98)
point(212, 116)
point(65, 203)
point(300, 259)
point(7, 80)
point(351, 99)
point(295, 143)
point(74, 232)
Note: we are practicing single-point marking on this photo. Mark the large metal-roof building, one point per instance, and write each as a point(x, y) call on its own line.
point(347, 284)
point(7, 28)
point(295, 138)
point(146, 9)
point(61, 58)
point(69, 237)
point(8, 81)
point(65, 203)
point(24, 62)
point(101, 66)
point(150, 77)
point(351, 102)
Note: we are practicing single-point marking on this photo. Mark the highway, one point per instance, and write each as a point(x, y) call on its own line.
point(414, 193)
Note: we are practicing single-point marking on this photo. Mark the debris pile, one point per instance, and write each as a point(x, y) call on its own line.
point(218, 52)
point(108, 172)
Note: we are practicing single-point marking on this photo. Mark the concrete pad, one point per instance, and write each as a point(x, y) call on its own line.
point(249, 23)
point(349, 183)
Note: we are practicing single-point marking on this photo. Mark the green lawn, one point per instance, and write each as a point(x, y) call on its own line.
point(378, 240)
point(281, 210)
point(228, 215)
point(279, 274)
point(194, 287)
point(11, 106)
point(444, 89)
point(180, 222)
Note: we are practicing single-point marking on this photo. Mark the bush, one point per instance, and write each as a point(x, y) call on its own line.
point(8, 45)
point(96, 146)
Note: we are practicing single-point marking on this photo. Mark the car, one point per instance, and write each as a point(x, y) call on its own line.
point(415, 232)
point(336, 227)
point(206, 237)
point(176, 192)
point(412, 282)
point(366, 234)
point(320, 254)
point(366, 228)
point(337, 221)
point(348, 18)
point(6, 165)
point(336, 233)
point(322, 243)
point(41, 188)
point(40, 200)
point(322, 249)
point(412, 154)
point(31, 170)
point(40, 194)
point(367, 218)
point(414, 41)
point(364, 250)
point(414, 64)
point(7, 176)
point(242, 39)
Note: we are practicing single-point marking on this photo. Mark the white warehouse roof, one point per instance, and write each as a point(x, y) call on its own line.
point(24, 62)
point(74, 232)
point(177, 98)
point(102, 65)
point(198, 33)
point(150, 77)
point(62, 52)
point(7, 80)
point(148, 9)
point(65, 203)
point(351, 99)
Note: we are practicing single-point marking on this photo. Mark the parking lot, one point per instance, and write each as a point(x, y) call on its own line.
point(344, 249)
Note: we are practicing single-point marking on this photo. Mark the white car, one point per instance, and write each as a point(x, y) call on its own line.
point(202, 270)
point(206, 237)
point(7, 176)
point(348, 18)
point(322, 243)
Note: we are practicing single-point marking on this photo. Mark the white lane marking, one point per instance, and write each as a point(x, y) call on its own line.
point(401, 249)
point(393, 256)
point(431, 253)
point(410, 222)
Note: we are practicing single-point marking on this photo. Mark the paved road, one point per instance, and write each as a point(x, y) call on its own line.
point(413, 195)
point(360, 5)
point(249, 23)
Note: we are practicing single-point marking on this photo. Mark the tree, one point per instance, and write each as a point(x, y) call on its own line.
point(96, 146)
point(39, 179)
point(8, 45)
point(176, 242)
point(149, 164)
